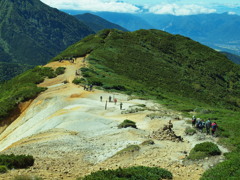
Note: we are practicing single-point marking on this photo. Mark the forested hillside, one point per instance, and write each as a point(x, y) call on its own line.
point(10, 70)
point(32, 32)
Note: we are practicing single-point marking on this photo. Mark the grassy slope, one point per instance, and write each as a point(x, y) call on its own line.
point(174, 70)
point(22, 88)
point(162, 65)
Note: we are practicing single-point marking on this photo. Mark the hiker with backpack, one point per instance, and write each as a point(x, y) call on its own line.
point(201, 125)
point(115, 101)
point(194, 119)
point(208, 126)
point(198, 121)
point(214, 128)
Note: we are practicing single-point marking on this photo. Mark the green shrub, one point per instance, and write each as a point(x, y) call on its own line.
point(141, 105)
point(16, 161)
point(154, 115)
point(79, 81)
point(3, 169)
point(127, 123)
point(65, 81)
point(132, 173)
point(116, 87)
point(203, 150)
point(60, 70)
point(148, 142)
point(190, 131)
point(96, 83)
point(45, 71)
point(88, 72)
point(27, 177)
point(228, 169)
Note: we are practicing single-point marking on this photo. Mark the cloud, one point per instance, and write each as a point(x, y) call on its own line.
point(93, 5)
point(232, 13)
point(177, 10)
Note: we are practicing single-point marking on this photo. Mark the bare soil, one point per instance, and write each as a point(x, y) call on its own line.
point(71, 134)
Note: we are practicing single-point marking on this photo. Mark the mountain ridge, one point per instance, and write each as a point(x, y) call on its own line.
point(97, 23)
point(208, 29)
point(174, 59)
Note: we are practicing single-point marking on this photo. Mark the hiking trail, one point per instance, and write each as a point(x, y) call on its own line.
point(70, 134)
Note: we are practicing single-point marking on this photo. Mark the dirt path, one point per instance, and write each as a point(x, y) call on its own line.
point(70, 134)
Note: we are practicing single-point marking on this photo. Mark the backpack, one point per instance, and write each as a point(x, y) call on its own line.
point(208, 124)
point(214, 126)
point(200, 124)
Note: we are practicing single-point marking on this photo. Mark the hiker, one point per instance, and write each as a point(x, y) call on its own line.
point(121, 104)
point(170, 125)
point(106, 105)
point(198, 123)
point(208, 126)
point(201, 125)
point(77, 73)
point(115, 101)
point(110, 98)
point(214, 128)
point(84, 87)
point(101, 98)
point(193, 121)
point(90, 87)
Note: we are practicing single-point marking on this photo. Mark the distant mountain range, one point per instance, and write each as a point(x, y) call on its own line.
point(232, 57)
point(219, 31)
point(32, 33)
point(97, 23)
point(129, 21)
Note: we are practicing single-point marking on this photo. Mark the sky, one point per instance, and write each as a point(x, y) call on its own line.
point(174, 7)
